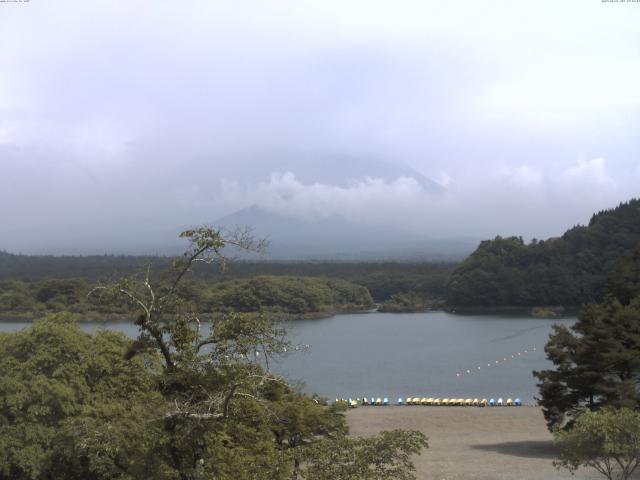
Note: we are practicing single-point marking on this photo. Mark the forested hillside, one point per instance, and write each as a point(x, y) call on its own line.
point(571, 270)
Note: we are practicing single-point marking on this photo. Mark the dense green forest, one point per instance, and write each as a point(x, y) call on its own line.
point(39, 284)
point(407, 302)
point(381, 279)
point(92, 267)
point(574, 269)
point(273, 294)
point(427, 280)
point(179, 402)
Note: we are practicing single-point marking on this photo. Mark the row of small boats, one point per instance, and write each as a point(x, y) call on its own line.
point(463, 402)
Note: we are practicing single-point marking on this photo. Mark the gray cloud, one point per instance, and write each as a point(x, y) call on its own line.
point(123, 121)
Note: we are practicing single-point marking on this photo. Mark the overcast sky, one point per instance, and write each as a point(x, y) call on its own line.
point(120, 120)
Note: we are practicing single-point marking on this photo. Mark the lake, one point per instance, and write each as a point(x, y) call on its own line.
point(432, 354)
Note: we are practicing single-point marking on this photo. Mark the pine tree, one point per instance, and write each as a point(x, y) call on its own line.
point(597, 362)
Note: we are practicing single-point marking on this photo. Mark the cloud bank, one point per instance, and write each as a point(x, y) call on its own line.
point(520, 201)
point(120, 122)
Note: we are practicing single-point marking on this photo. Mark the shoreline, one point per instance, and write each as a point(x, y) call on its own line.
point(97, 317)
point(567, 311)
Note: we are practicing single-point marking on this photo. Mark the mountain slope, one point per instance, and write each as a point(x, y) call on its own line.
point(337, 238)
point(572, 270)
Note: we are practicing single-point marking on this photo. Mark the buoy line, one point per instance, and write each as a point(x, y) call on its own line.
point(497, 362)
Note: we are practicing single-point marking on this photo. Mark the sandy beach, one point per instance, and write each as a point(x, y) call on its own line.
point(472, 443)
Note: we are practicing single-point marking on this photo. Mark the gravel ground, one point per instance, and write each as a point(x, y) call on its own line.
point(467, 443)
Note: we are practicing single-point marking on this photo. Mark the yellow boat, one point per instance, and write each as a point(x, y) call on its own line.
point(437, 401)
point(430, 401)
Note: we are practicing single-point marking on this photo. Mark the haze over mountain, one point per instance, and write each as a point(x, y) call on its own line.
point(121, 121)
point(335, 238)
point(305, 216)
point(320, 167)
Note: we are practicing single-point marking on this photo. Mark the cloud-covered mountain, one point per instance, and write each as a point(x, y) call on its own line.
point(335, 237)
point(322, 167)
point(312, 114)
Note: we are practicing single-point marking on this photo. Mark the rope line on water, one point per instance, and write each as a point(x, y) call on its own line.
point(505, 359)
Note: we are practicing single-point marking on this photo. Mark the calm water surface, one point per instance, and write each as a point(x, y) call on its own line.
point(421, 354)
point(399, 355)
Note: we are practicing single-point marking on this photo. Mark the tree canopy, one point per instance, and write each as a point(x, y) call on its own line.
point(607, 441)
point(56, 382)
point(266, 293)
point(577, 268)
point(186, 400)
point(597, 362)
